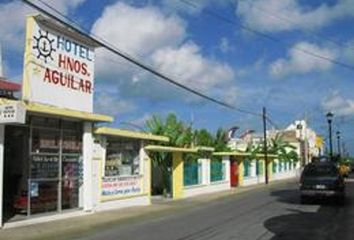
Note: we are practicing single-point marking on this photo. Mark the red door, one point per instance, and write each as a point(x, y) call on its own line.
point(234, 173)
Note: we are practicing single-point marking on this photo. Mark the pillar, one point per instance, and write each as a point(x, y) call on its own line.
point(240, 171)
point(226, 162)
point(177, 175)
point(87, 145)
point(270, 169)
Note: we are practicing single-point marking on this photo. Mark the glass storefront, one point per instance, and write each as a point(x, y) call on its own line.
point(122, 157)
point(55, 174)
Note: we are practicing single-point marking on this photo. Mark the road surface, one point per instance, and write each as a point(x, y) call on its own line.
point(267, 213)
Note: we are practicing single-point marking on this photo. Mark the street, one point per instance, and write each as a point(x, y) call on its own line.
point(266, 213)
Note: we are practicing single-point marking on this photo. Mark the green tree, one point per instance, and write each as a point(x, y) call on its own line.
point(203, 138)
point(220, 142)
point(180, 135)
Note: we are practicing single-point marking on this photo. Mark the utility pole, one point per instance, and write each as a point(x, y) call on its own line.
point(265, 144)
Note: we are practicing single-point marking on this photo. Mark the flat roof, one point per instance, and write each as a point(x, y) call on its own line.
point(59, 112)
point(243, 154)
point(157, 148)
point(129, 134)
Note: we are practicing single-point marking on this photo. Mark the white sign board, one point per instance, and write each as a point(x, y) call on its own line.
point(12, 113)
point(121, 186)
point(59, 66)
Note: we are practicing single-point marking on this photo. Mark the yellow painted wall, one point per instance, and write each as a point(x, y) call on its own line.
point(240, 171)
point(177, 175)
point(148, 175)
point(270, 170)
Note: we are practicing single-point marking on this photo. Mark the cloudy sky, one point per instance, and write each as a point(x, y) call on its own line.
point(294, 57)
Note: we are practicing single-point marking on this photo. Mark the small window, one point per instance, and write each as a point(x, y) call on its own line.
point(122, 158)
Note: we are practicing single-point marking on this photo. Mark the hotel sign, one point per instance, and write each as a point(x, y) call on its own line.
point(59, 66)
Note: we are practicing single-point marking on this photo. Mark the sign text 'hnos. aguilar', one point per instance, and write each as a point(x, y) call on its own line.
point(59, 66)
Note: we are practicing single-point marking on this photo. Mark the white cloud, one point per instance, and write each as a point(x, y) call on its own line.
point(224, 45)
point(299, 62)
point(158, 40)
point(109, 103)
point(138, 31)
point(282, 15)
point(338, 104)
point(348, 52)
point(187, 64)
point(13, 17)
point(192, 7)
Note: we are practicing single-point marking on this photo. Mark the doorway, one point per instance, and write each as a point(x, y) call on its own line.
point(233, 172)
point(15, 172)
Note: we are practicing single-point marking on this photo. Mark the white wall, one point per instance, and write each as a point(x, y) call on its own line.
point(142, 199)
point(207, 186)
point(87, 150)
point(124, 203)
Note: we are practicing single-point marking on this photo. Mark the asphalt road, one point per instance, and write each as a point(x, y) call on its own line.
point(268, 213)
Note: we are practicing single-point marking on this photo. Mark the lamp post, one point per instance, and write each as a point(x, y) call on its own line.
point(338, 143)
point(329, 116)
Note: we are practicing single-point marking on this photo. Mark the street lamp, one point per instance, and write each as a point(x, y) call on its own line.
point(329, 116)
point(338, 143)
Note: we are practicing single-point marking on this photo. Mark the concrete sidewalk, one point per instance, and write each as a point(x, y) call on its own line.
point(75, 226)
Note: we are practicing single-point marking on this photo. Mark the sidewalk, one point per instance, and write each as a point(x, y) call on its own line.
point(75, 226)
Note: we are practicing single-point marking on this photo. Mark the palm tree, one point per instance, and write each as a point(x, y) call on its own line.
point(180, 135)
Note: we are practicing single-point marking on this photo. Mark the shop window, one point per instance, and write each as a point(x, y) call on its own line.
point(217, 170)
point(247, 168)
point(56, 168)
point(260, 169)
point(192, 171)
point(122, 158)
point(274, 166)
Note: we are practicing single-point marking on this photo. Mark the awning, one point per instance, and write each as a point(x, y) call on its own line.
point(129, 134)
point(58, 112)
point(9, 86)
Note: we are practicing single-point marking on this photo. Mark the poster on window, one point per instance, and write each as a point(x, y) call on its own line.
point(121, 186)
point(59, 66)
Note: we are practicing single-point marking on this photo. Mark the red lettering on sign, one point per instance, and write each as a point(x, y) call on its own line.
point(67, 80)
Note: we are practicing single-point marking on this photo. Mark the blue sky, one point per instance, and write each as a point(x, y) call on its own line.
point(213, 56)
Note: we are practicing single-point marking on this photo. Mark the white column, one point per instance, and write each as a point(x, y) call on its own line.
point(253, 168)
point(206, 171)
point(2, 159)
point(87, 150)
point(226, 161)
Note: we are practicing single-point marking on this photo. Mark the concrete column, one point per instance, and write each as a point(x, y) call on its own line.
point(253, 168)
point(207, 171)
point(87, 145)
point(2, 159)
point(226, 162)
point(146, 170)
point(177, 175)
point(240, 171)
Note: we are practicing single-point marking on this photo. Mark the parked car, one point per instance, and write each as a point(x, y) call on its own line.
point(322, 180)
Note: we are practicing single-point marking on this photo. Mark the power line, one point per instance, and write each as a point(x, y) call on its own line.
point(267, 36)
point(129, 58)
point(100, 41)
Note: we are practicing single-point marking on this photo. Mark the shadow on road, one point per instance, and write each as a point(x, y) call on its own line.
point(317, 219)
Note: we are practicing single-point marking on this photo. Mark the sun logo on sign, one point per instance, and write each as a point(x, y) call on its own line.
point(44, 45)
